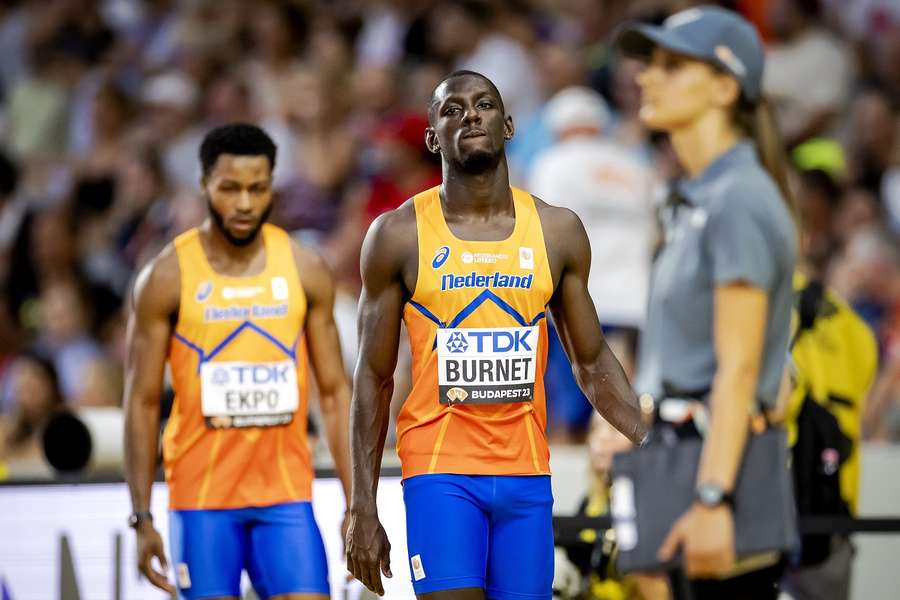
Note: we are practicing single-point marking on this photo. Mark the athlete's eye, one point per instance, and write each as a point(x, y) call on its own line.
point(485, 105)
point(451, 110)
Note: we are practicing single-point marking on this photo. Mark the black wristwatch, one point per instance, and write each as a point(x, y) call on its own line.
point(712, 494)
point(135, 519)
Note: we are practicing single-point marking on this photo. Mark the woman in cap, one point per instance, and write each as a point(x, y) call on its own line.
point(718, 319)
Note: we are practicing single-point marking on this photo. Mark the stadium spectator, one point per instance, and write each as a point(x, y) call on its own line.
point(819, 190)
point(65, 336)
point(559, 67)
point(279, 32)
point(168, 104)
point(835, 359)
point(402, 167)
point(610, 187)
point(34, 396)
point(36, 111)
point(868, 274)
point(807, 99)
point(382, 35)
point(324, 154)
point(464, 32)
point(112, 113)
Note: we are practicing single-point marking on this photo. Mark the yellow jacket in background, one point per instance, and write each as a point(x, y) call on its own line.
point(835, 363)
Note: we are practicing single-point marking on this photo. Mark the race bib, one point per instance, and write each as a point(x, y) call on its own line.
point(244, 394)
point(487, 365)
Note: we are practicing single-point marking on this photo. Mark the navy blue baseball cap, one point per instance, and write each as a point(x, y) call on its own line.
point(708, 33)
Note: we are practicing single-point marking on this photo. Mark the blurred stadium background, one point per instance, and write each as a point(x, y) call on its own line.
point(102, 107)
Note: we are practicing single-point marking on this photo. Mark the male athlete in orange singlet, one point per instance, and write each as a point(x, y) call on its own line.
point(236, 308)
point(471, 267)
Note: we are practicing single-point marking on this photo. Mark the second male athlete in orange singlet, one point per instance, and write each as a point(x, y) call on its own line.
point(237, 309)
point(472, 266)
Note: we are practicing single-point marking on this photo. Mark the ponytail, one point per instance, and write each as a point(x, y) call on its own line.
point(759, 122)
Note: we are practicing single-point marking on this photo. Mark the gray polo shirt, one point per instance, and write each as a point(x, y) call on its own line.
point(728, 224)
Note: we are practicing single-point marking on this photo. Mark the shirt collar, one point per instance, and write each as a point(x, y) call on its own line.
point(691, 190)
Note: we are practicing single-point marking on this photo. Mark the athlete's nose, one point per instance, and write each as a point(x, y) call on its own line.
point(244, 204)
point(472, 115)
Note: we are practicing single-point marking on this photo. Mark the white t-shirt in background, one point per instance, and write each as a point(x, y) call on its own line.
point(611, 188)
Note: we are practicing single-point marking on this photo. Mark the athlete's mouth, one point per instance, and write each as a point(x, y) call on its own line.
point(243, 224)
point(472, 133)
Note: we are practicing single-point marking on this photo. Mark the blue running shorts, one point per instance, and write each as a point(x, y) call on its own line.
point(279, 546)
point(493, 532)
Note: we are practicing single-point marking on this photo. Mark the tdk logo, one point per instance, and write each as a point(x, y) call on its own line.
point(494, 280)
point(245, 374)
point(440, 257)
point(494, 341)
point(457, 342)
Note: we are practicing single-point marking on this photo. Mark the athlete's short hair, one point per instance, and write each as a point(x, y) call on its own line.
point(241, 139)
point(432, 104)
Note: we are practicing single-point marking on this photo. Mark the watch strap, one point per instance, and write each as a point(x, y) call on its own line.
point(136, 518)
point(712, 495)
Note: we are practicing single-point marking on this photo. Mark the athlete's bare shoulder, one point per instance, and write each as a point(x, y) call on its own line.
point(392, 229)
point(157, 288)
point(557, 219)
point(315, 274)
point(571, 246)
point(391, 245)
point(560, 223)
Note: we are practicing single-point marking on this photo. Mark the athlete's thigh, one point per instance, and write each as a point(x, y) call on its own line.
point(446, 532)
point(520, 563)
point(207, 553)
point(299, 597)
point(286, 554)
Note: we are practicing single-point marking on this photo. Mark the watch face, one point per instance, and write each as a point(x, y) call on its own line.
point(709, 495)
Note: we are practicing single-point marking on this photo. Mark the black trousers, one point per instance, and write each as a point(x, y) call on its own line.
point(756, 585)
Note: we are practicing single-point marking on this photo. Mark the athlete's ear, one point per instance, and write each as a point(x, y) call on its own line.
point(431, 141)
point(508, 128)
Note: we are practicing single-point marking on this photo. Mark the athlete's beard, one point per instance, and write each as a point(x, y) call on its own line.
point(477, 162)
point(219, 221)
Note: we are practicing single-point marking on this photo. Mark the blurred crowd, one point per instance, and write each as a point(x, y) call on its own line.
point(103, 104)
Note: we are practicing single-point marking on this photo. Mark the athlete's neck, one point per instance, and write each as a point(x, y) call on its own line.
point(221, 250)
point(484, 194)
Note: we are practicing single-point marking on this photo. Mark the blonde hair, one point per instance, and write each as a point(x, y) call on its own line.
point(757, 120)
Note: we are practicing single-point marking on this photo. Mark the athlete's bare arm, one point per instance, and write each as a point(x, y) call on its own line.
point(387, 276)
point(325, 357)
point(596, 368)
point(153, 313)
